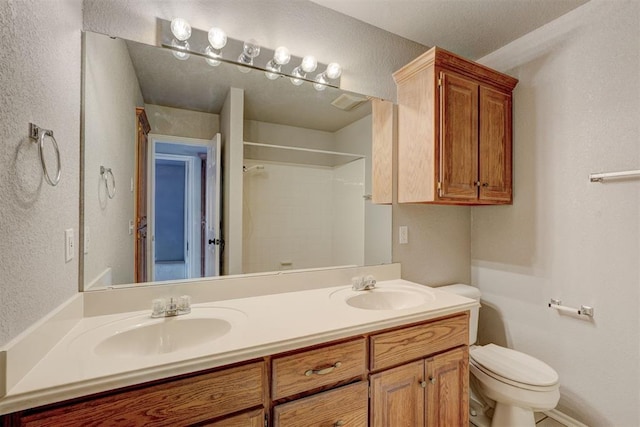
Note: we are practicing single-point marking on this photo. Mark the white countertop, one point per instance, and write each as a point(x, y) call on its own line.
point(260, 326)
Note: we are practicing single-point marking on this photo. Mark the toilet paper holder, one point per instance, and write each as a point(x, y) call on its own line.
point(584, 310)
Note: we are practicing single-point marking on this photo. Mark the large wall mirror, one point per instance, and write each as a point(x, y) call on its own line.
point(196, 169)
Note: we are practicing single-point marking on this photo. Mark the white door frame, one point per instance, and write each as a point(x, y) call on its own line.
point(170, 139)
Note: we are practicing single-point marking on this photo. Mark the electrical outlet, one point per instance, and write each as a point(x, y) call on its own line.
point(403, 235)
point(69, 245)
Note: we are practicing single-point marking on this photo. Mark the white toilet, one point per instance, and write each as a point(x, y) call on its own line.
point(516, 384)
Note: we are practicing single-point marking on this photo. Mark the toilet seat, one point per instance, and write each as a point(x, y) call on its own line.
point(514, 368)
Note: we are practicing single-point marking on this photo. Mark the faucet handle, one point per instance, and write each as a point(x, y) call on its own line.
point(357, 282)
point(184, 304)
point(158, 307)
point(369, 280)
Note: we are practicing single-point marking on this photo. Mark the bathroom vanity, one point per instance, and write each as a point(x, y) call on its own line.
point(331, 356)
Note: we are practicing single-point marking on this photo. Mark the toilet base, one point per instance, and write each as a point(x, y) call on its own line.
point(508, 416)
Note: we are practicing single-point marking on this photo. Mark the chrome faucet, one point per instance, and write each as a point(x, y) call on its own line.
point(363, 283)
point(172, 307)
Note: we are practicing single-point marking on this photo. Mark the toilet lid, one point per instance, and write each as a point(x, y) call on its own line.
point(514, 366)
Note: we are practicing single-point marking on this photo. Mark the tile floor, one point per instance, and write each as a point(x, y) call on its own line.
point(480, 420)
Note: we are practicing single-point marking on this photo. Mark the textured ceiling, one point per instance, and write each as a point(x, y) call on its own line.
point(471, 28)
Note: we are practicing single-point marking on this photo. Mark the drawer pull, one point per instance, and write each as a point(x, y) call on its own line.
point(339, 423)
point(323, 371)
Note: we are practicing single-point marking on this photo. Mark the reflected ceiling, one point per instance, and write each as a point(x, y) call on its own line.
point(195, 85)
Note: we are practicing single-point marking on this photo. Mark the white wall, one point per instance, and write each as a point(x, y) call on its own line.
point(231, 129)
point(576, 112)
point(287, 217)
point(356, 138)
point(347, 214)
point(111, 95)
point(40, 83)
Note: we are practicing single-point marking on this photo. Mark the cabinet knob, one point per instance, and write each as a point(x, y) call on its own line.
point(432, 380)
point(339, 423)
point(423, 384)
point(485, 184)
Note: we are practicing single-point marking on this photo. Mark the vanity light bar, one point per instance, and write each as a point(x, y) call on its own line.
point(198, 43)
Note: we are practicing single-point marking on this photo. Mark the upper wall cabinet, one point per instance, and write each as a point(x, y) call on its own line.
point(454, 131)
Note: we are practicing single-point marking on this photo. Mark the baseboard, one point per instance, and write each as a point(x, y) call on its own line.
point(564, 418)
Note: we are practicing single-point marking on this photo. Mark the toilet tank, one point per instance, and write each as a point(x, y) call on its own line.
point(469, 292)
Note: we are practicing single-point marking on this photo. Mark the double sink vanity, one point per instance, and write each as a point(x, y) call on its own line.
point(326, 355)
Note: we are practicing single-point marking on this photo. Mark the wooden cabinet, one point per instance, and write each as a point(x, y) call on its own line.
point(422, 376)
point(447, 388)
point(431, 392)
point(344, 406)
point(454, 131)
point(397, 397)
point(409, 375)
point(320, 367)
point(382, 151)
point(185, 401)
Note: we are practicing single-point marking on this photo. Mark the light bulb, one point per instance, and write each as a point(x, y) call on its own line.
point(183, 49)
point(309, 64)
point(281, 56)
point(212, 55)
point(320, 83)
point(217, 38)
point(298, 75)
point(181, 29)
point(250, 50)
point(334, 70)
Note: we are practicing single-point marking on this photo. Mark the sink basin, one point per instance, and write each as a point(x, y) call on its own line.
point(141, 336)
point(163, 335)
point(387, 298)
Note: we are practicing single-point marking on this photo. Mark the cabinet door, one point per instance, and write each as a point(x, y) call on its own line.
point(448, 388)
point(397, 396)
point(458, 137)
point(495, 145)
point(382, 113)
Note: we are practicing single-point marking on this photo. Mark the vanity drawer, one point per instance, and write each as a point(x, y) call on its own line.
point(300, 372)
point(343, 406)
point(403, 345)
point(179, 402)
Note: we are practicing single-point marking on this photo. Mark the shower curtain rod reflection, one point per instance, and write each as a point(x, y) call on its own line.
point(252, 168)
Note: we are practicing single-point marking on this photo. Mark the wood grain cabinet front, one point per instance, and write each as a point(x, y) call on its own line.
point(420, 374)
point(432, 392)
point(454, 131)
point(316, 368)
point(344, 406)
point(186, 401)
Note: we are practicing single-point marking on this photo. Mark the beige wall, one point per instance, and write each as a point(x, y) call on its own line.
point(180, 122)
point(576, 112)
point(111, 95)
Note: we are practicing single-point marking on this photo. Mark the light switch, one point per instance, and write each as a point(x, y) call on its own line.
point(69, 247)
point(403, 235)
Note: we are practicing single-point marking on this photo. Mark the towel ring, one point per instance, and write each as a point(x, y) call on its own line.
point(105, 173)
point(38, 135)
